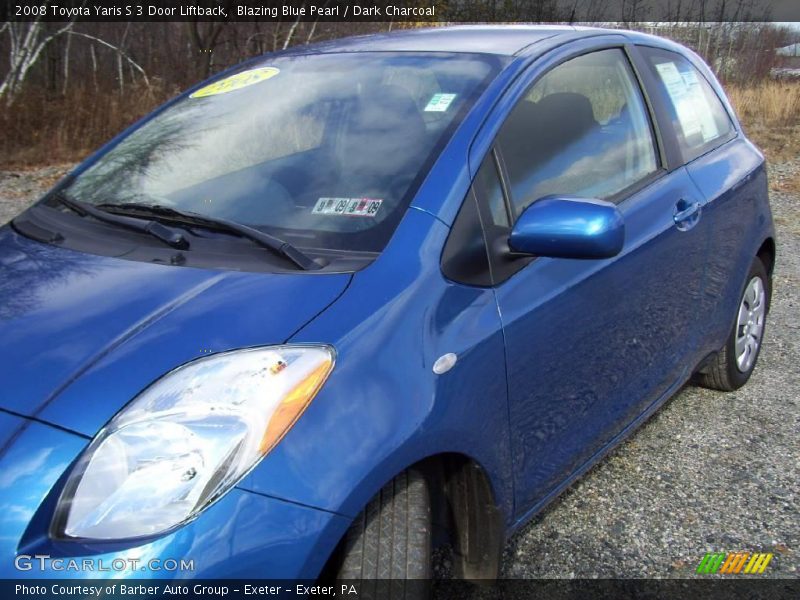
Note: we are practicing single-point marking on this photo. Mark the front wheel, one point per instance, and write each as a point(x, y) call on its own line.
point(735, 362)
point(388, 546)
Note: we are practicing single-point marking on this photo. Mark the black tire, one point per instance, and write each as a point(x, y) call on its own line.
point(722, 373)
point(391, 540)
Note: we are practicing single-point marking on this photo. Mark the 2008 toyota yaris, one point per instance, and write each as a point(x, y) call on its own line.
point(386, 292)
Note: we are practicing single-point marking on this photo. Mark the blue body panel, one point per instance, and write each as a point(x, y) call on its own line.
point(466, 38)
point(609, 336)
point(384, 408)
point(70, 315)
point(554, 365)
point(732, 181)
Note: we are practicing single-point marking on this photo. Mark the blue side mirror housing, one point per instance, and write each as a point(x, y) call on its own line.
point(565, 227)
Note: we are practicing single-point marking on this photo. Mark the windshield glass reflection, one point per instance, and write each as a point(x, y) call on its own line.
point(326, 149)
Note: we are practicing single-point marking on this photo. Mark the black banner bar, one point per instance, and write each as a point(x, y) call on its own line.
point(431, 11)
point(712, 588)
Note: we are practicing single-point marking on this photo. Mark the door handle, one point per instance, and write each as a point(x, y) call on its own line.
point(686, 214)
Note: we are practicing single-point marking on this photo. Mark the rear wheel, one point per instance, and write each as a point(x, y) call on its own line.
point(735, 362)
point(391, 540)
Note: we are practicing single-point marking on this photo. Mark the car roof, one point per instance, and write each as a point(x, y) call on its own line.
point(505, 40)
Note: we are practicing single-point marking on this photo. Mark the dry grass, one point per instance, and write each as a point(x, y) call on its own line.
point(770, 103)
point(40, 129)
point(770, 114)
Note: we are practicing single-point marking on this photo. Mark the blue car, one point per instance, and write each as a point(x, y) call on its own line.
point(349, 302)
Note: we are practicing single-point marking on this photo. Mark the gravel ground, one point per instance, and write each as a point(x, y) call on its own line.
point(18, 189)
point(710, 472)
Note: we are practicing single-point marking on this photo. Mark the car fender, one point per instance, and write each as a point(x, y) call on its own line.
point(383, 408)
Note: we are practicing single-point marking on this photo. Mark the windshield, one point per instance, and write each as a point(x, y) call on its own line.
point(323, 150)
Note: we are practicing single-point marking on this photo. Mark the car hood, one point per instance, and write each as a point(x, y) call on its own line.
point(81, 335)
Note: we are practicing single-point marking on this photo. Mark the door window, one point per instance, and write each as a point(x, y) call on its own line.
point(582, 130)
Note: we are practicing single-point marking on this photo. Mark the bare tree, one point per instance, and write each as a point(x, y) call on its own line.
point(26, 43)
point(288, 39)
point(120, 54)
point(313, 28)
point(205, 37)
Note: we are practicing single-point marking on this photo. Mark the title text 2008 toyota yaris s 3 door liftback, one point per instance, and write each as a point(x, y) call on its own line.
point(378, 293)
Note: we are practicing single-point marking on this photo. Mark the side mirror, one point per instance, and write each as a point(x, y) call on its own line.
point(563, 227)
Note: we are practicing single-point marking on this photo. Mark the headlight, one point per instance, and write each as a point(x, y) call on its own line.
point(186, 440)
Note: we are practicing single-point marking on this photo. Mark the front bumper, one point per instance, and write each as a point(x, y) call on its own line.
point(244, 535)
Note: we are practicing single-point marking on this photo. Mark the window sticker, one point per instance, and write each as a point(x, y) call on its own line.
point(236, 82)
point(678, 93)
point(689, 100)
point(703, 110)
point(440, 102)
point(689, 78)
point(347, 207)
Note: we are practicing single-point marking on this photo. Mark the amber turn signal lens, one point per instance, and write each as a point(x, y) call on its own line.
point(293, 405)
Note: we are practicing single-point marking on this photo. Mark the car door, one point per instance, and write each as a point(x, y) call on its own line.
point(590, 343)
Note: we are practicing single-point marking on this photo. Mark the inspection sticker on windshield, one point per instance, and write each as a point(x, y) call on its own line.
point(347, 207)
point(440, 102)
point(236, 82)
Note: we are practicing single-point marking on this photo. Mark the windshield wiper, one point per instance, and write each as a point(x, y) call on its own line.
point(158, 230)
point(265, 240)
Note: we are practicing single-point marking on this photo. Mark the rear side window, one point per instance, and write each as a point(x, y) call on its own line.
point(582, 129)
point(700, 120)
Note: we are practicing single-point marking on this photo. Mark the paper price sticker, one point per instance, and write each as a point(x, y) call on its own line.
point(236, 82)
point(691, 105)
